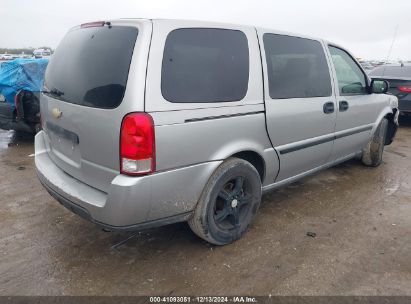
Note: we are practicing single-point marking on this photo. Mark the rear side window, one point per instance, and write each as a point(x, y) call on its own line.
point(297, 67)
point(90, 66)
point(205, 65)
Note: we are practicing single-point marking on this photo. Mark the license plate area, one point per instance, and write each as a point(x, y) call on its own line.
point(64, 144)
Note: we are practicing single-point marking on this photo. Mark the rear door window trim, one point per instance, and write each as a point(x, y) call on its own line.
point(325, 62)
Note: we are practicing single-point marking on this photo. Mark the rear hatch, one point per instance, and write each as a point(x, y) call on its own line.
point(85, 100)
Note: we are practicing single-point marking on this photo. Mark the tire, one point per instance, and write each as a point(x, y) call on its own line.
point(372, 154)
point(228, 203)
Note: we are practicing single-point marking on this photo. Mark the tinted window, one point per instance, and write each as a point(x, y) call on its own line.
point(351, 79)
point(205, 65)
point(90, 66)
point(392, 71)
point(297, 67)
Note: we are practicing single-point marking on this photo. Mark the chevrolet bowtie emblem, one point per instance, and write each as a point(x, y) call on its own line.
point(56, 113)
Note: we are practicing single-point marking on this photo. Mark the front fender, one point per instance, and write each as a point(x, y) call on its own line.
point(390, 109)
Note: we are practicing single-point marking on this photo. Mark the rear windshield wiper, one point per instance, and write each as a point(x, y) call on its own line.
point(54, 93)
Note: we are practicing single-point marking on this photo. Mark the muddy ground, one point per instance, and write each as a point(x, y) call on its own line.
point(361, 216)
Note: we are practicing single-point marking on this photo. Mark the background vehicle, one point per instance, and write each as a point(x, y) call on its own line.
point(6, 57)
point(41, 53)
point(21, 81)
point(193, 121)
point(367, 66)
point(399, 78)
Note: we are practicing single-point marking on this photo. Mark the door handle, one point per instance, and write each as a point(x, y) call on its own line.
point(328, 107)
point(343, 106)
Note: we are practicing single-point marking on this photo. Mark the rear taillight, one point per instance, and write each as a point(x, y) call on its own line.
point(137, 144)
point(406, 89)
point(16, 100)
point(18, 106)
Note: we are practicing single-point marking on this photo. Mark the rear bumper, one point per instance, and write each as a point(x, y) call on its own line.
point(85, 214)
point(131, 203)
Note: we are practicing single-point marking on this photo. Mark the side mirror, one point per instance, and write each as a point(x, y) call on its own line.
point(379, 86)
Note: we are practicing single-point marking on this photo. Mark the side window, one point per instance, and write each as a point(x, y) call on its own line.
point(205, 65)
point(297, 67)
point(351, 79)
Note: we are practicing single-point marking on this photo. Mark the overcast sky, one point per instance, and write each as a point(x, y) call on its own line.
point(365, 27)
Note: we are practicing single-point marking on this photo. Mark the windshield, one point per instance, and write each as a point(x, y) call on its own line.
point(84, 70)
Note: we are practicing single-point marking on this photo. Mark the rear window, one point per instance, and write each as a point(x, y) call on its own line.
point(297, 67)
point(392, 71)
point(205, 65)
point(90, 66)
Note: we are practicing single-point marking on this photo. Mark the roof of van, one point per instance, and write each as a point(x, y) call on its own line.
point(225, 24)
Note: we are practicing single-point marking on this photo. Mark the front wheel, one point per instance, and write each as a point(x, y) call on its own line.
point(228, 203)
point(372, 154)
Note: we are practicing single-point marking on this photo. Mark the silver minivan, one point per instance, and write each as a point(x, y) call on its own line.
point(192, 121)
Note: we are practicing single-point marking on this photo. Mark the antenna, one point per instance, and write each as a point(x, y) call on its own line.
point(391, 47)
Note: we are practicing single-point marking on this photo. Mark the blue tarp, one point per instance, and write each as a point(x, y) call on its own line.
point(21, 74)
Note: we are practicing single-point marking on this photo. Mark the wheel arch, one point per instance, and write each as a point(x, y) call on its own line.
point(392, 126)
point(391, 114)
point(254, 159)
point(386, 112)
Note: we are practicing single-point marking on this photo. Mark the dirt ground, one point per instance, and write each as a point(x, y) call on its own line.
point(361, 217)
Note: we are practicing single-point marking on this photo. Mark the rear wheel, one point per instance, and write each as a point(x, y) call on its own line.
point(372, 154)
point(228, 203)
